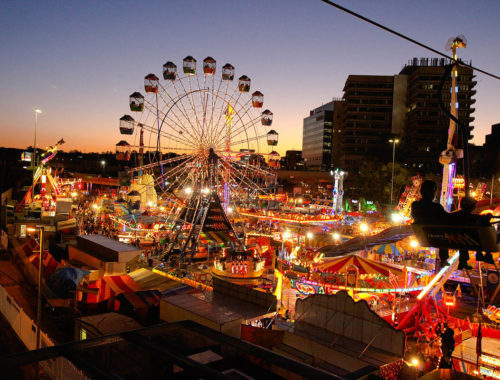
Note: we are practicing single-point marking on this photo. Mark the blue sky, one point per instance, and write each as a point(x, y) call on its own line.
point(79, 60)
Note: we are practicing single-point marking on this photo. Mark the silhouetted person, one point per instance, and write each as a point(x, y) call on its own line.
point(447, 347)
point(426, 211)
point(465, 217)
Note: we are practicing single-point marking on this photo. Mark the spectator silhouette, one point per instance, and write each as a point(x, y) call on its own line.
point(447, 347)
point(465, 217)
point(426, 211)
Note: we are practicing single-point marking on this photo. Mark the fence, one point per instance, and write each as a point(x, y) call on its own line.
point(59, 368)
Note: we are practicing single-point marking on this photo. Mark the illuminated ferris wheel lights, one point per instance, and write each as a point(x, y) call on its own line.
point(191, 112)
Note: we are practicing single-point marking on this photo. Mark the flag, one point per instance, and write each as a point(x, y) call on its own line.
point(459, 291)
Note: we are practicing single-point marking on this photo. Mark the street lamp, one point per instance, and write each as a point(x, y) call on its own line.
point(40, 273)
point(37, 111)
point(336, 236)
point(103, 164)
point(286, 236)
point(394, 142)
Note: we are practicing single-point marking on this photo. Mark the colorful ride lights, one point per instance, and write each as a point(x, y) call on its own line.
point(336, 236)
point(397, 217)
point(363, 227)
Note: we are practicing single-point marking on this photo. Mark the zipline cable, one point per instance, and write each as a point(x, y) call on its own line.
point(405, 37)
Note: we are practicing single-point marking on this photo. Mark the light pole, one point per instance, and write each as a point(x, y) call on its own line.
point(40, 274)
point(103, 164)
point(394, 142)
point(33, 165)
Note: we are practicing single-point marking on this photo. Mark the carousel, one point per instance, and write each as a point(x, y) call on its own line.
point(236, 265)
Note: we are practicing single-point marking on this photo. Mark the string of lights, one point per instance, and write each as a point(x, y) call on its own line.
point(366, 19)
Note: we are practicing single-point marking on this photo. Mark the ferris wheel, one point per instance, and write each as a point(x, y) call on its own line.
point(199, 130)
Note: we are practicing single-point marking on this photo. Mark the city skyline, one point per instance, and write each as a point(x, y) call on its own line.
point(80, 63)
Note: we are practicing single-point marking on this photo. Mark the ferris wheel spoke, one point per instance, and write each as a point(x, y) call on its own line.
point(224, 106)
point(250, 139)
point(170, 136)
point(214, 99)
point(195, 111)
point(244, 128)
point(162, 162)
point(242, 115)
point(241, 178)
point(174, 171)
point(182, 110)
point(223, 129)
point(178, 182)
point(173, 186)
point(178, 139)
point(153, 129)
point(203, 100)
point(196, 128)
point(237, 132)
point(253, 168)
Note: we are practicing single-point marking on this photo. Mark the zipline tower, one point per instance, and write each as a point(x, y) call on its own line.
point(449, 156)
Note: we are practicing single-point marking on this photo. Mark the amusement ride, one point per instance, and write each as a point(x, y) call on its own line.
point(200, 139)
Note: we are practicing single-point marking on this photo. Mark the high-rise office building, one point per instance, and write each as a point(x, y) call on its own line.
point(426, 129)
point(378, 108)
point(367, 118)
point(317, 138)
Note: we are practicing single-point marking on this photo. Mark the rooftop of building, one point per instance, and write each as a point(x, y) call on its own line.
point(182, 350)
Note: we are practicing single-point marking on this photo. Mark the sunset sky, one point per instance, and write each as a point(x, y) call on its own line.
point(80, 60)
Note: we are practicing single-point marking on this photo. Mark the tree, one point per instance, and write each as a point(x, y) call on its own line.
point(373, 181)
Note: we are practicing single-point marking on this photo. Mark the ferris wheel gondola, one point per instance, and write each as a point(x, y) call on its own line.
point(208, 125)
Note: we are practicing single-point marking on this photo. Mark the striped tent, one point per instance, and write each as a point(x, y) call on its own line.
point(365, 266)
point(107, 287)
point(50, 265)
